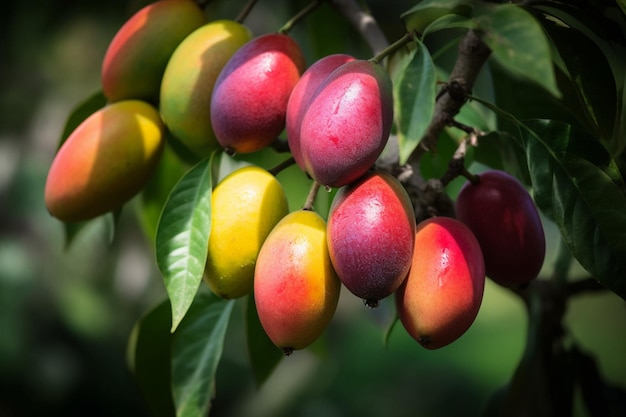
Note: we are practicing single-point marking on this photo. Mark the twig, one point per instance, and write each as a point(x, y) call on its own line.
point(310, 199)
point(364, 23)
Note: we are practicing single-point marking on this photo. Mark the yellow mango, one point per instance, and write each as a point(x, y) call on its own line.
point(188, 81)
point(246, 205)
point(105, 161)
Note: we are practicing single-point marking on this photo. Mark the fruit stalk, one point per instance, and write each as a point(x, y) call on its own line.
point(245, 11)
point(299, 16)
point(400, 43)
point(310, 199)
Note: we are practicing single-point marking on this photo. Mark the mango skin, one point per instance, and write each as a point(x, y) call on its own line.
point(371, 229)
point(506, 222)
point(246, 205)
point(189, 78)
point(296, 289)
point(105, 161)
point(301, 96)
point(136, 57)
point(249, 101)
point(441, 296)
point(347, 124)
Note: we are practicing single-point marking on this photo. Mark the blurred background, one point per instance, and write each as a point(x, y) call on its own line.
point(66, 312)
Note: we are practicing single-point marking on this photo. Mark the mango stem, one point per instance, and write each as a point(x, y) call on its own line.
point(310, 199)
point(299, 16)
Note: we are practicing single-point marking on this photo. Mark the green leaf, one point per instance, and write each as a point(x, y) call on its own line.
point(449, 21)
point(518, 43)
point(263, 354)
point(579, 186)
point(182, 237)
point(414, 96)
point(149, 357)
point(423, 14)
point(170, 169)
point(85, 109)
point(590, 73)
point(196, 352)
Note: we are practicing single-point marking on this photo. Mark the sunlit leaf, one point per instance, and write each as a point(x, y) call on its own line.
point(576, 182)
point(263, 354)
point(196, 352)
point(518, 43)
point(149, 357)
point(414, 96)
point(182, 237)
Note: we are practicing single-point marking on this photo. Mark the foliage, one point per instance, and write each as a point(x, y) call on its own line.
point(548, 106)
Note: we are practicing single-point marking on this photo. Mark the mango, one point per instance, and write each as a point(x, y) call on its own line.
point(371, 229)
point(105, 161)
point(347, 123)
point(249, 101)
point(506, 222)
point(136, 57)
point(296, 289)
point(246, 205)
point(441, 296)
point(301, 96)
point(189, 78)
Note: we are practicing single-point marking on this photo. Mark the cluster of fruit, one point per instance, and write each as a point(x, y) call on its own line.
point(212, 85)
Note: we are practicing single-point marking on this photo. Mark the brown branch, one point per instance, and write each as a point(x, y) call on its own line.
point(472, 55)
point(364, 23)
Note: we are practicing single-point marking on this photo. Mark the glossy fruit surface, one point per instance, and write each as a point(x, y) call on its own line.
point(138, 53)
point(296, 289)
point(246, 205)
point(505, 220)
point(189, 78)
point(371, 228)
point(347, 123)
point(302, 94)
point(105, 161)
point(443, 292)
point(249, 101)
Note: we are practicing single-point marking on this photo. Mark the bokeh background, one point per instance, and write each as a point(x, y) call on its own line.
point(66, 312)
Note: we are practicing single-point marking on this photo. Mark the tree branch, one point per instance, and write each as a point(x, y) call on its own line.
point(364, 23)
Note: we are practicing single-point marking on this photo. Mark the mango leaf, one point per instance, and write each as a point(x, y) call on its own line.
point(154, 194)
point(182, 237)
point(84, 109)
point(589, 71)
point(263, 354)
point(423, 14)
point(149, 358)
point(518, 43)
point(449, 21)
point(196, 351)
point(414, 97)
point(579, 186)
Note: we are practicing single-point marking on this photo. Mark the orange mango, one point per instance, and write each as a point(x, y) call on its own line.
point(105, 161)
point(135, 59)
point(296, 289)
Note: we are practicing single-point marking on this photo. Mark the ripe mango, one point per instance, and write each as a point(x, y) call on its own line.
point(371, 229)
point(347, 123)
point(246, 205)
point(296, 289)
point(105, 161)
point(441, 296)
point(135, 59)
point(506, 222)
point(189, 78)
point(301, 96)
point(249, 101)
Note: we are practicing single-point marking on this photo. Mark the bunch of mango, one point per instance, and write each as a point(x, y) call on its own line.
point(213, 85)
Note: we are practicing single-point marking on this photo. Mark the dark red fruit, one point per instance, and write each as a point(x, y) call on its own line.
point(301, 96)
point(347, 123)
point(371, 229)
point(249, 99)
point(505, 220)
